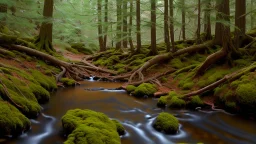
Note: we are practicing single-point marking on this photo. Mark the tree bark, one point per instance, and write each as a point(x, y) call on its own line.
point(130, 27)
point(153, 50)
point(183, 20)
point(199, 23)
point(119, 24)
point(125, 29)
point(166, 27)
point(240, 22)
point(138, 36)
point(207, 22)
point(100, 32)
point(44, 40)
point(252, 14)
point(172, 26)
point(106, 27)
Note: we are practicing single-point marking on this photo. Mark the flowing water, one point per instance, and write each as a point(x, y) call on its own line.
point(137, 116)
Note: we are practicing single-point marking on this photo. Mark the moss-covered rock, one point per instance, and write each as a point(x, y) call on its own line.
point(176, 102)
point(41, 94)
point(166, 123)
point(119, 127)
point(12, 122)
point(162, 101)
point(90, 127)
point(195, 102)
point(68, 82)
point(130, 88)
point(246, 95)
point(145, 89)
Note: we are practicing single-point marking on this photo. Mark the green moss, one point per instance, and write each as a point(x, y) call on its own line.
point(162, 101)
point(5, 70)
point(230, 106)
point(172, 93)
point(46, 82)
point(70, 49)
point(246, 94)
point(176, 63)
point(176, 102)
point(136, 62)
point(80, 47)
point(41, 94)
point(130, 88)
point(167, 123)
point(89, 127)
point(163, 79)
point(119, 127)
point(121, 70)
point(241, 62)
point(145, 89)
point(68, 82)
point(12, 122)
point(195, 102)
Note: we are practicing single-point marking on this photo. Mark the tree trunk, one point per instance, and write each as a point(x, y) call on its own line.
point(207, 22)
point(172, 26)
point(130, 27)
point(124, 9)
point(252, 14)
point(183, 20)
point(199, 23)
point(225, 37)
point(153, 50)
point(44, 40)
point(166, 27)
point(138, 26)
point(3, 9)
point(240, 22)
point(100, 33)
point(119, 24)
point(106, 27)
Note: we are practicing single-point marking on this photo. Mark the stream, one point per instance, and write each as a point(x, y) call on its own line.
point(137, 116)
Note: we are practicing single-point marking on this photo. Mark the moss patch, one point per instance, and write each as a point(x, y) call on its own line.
point(89, 127)
point(246, 95)
point(195, 102)
point(145, 89)
point(176, 102)
point(68, 82)
point(166, 123)
point(12, 122)
point(130, 88)
point(46, 82)
point(162, 101)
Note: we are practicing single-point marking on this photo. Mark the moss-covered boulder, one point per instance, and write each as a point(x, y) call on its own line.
point(162, 101)
point(145, 89)
point(166, 123)
point(68, 82)
point(195, 102)
point(90, 127)
point(119, 127)
point(12, 122)
point(176, 102)
point(49, 83)
point(130, 88)
point(246, 96)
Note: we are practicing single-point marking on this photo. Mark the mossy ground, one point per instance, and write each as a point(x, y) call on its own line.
point(90, 127)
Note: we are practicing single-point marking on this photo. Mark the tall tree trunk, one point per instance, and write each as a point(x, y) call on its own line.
point(207, 21)
point(3, 9)
point(124, 9)
point(100, 33)
point(228, 49)
point(119, 24)
point(239, 22)
point(166, 27)
point(183, 20)
point(153, 50)
point(106, 25)
point(252, 17)
point(130, 26)
point(44, 40)
point(172, 26)
point(199, 23)
point(138, 36)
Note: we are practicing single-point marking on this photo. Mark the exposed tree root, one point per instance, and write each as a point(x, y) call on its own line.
point(60, 75)
point(74, 71)
point(229, 78)
point(8, 96)
point(168, 56)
